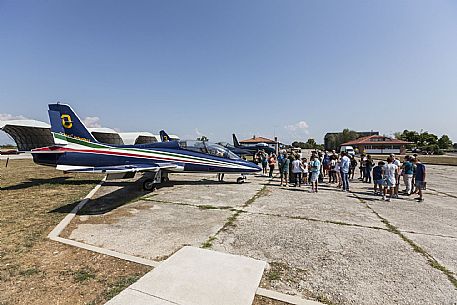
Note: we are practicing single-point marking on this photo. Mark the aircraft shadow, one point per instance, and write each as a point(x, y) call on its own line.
point(57, 180)
point(127, 192)
point(172, 183)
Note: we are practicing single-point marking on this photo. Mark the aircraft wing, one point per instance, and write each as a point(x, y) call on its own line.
point(129, 168)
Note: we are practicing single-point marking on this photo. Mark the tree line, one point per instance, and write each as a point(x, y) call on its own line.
point(425, 141)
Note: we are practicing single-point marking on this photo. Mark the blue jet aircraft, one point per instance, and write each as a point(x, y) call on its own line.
point(164, 137)
point(254, 148)
point(76, 150)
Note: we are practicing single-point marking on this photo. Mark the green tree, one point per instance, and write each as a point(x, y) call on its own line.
point(348, 135)
point(332, 142)
point(427, 139)
point(444, 142)
point(410, 136)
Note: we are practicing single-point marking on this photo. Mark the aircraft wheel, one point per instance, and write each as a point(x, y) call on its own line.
point(149, 185)
point(240, 180)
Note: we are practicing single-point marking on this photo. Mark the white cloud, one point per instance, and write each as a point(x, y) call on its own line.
point(198, 132)
point(7, 117)
point(299, 126)
point(92, 122)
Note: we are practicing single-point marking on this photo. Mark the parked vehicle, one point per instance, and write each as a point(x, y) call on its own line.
point(348, 149)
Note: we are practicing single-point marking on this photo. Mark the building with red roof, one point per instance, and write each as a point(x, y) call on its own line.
point(377, 144)
point(257, 140)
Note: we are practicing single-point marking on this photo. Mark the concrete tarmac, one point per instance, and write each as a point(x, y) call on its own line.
point(333, 246)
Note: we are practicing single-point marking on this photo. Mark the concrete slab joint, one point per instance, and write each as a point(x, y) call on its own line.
point(194, 276)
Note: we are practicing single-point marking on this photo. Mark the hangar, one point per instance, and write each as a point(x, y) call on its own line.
point(28, 134)
point(31, 134)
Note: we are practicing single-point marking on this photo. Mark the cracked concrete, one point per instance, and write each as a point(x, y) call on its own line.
point(329, 246)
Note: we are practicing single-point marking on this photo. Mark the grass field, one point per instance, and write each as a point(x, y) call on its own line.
point(427, 159)
point(36, 270)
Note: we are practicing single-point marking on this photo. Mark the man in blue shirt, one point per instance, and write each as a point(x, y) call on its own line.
point(344, 168)
point(420, 178)
point(408, 175)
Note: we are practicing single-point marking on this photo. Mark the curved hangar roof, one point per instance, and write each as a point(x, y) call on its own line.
point(30, 134)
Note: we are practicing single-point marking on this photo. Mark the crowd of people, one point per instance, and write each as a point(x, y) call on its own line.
point(339, 169)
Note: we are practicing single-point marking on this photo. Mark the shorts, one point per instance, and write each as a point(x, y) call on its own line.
point(380, 182)
point(420, 184)
point(314, 176)
point(390, 183)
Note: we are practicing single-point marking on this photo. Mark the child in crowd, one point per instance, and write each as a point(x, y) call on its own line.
point(305, 170)
point(271, 164)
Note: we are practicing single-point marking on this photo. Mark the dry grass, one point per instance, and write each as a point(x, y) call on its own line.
point(35, 270)
point(259, 300)
point(427, 159)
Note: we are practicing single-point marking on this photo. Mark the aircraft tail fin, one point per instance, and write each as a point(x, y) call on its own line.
point(235, 141)
point(66, 123)
point(164, 137)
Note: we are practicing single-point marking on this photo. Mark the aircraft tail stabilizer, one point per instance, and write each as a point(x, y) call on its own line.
point(235, 141)
point(64, 121)
point(164, 137)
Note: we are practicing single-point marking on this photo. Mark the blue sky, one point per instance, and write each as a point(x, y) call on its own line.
point(294, 69)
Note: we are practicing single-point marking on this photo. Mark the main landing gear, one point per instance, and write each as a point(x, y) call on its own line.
point(151, 183)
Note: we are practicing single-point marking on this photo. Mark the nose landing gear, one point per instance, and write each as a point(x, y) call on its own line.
point(241, 179)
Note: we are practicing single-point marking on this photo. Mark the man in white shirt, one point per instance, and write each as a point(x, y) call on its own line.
point(398, 164)
point(390, 174)
point(297, 170)
point(344, 169)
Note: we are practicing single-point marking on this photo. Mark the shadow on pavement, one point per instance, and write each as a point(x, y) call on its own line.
point(127, 192)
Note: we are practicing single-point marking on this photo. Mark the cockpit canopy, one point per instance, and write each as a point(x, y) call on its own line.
point(208, 148)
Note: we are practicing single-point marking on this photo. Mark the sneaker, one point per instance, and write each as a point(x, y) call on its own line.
point(389, 200)
point(420, 200)
point(384, 198)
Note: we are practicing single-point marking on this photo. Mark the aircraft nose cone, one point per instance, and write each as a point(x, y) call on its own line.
point(254, 167)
